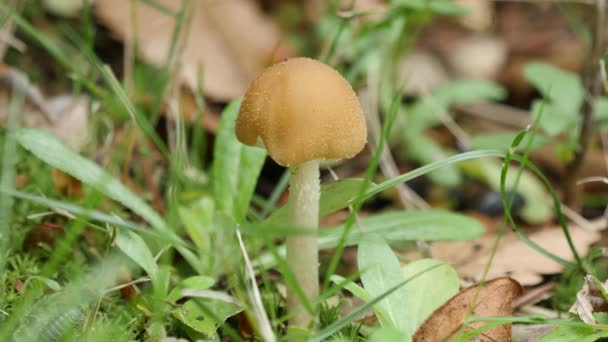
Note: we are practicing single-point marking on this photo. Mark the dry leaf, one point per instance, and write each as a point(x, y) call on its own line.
point(494, 299)
point(478, 56)
point(479, 16)
point(65, 116)
point(590, 300)
point(230, 42)
point(530, 333)
point(514, 257)
point(423, 72)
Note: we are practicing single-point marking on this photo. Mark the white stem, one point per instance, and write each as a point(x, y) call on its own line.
point(302, 250)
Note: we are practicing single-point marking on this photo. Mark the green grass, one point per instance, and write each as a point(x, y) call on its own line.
point(72, 286)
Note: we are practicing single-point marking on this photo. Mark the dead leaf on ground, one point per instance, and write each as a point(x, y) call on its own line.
point(494, 299)
point(514, 257)
point(590, 300)
point(66, 116)
point(230, 42)
point(423, 72)
point(530, 333)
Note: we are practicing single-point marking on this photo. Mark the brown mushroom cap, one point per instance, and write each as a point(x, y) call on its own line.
point(302, 110)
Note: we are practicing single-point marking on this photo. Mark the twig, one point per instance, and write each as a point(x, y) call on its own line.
point(499, 113)
point(592, 85)
point(408, 197)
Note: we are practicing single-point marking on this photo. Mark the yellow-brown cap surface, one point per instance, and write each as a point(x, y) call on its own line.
point(302, 110)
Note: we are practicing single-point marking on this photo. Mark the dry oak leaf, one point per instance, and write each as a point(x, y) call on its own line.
point(514, 257)
point(228, 41)
point(494, 299)
point(590, 300)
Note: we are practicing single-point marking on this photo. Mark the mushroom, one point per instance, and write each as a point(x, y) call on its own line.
point(303, 112)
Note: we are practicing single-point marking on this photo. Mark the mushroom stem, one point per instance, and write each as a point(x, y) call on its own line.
point(302, 250)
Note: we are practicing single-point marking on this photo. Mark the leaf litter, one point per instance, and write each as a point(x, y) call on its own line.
point(494, 298)
point(222, 55)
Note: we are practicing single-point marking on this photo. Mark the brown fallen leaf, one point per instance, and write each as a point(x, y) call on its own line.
point(480, 14)
point(66, 116)
point(494, 299)
point(514, 257)
point(230, 42)
point(590, 300)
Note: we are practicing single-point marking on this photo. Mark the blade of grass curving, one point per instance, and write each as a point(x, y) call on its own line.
point(498, 321)
point(374, 190)
point(506, 204)
point(63, 57)
point(49, 149)
point(371, 170)
point(344, 321)
point(93, 214)
point(7, 180)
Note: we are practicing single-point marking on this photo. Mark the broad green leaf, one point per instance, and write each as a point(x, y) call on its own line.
point(194, 283)
point(362, 294)
point(195, 314)
point(334, 196)
point(564, 333)
point(428, 291)
point(198, 221)
point(538, 206)
point(468, 90)
point(135, 248)
point(235, 169)
point(503, 140)
point(430, 225)
point(389, 335)
point(380, 271)
point(554, 120)
point(562, 88)
point(52, 151)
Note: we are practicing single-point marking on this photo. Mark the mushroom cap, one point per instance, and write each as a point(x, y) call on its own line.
point(302, 110)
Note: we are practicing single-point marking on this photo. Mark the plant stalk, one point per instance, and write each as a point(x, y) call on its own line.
point(302, 250)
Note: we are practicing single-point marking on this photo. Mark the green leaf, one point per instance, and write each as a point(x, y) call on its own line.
point(362, 294)
point(554, 120)
point(389, 335)
point(538, 207)
point(562, 88)
point(205, 316)
point(334, 196)
point(235, 169)
point(198, 221)
point(429, 225)
point(467, 91)
point(52, 151)
point(503, 140)
point(381, 271)
point(194, 283)
point(50, 283)
point(565, 333)
point(135, 248)
point(428, 291)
